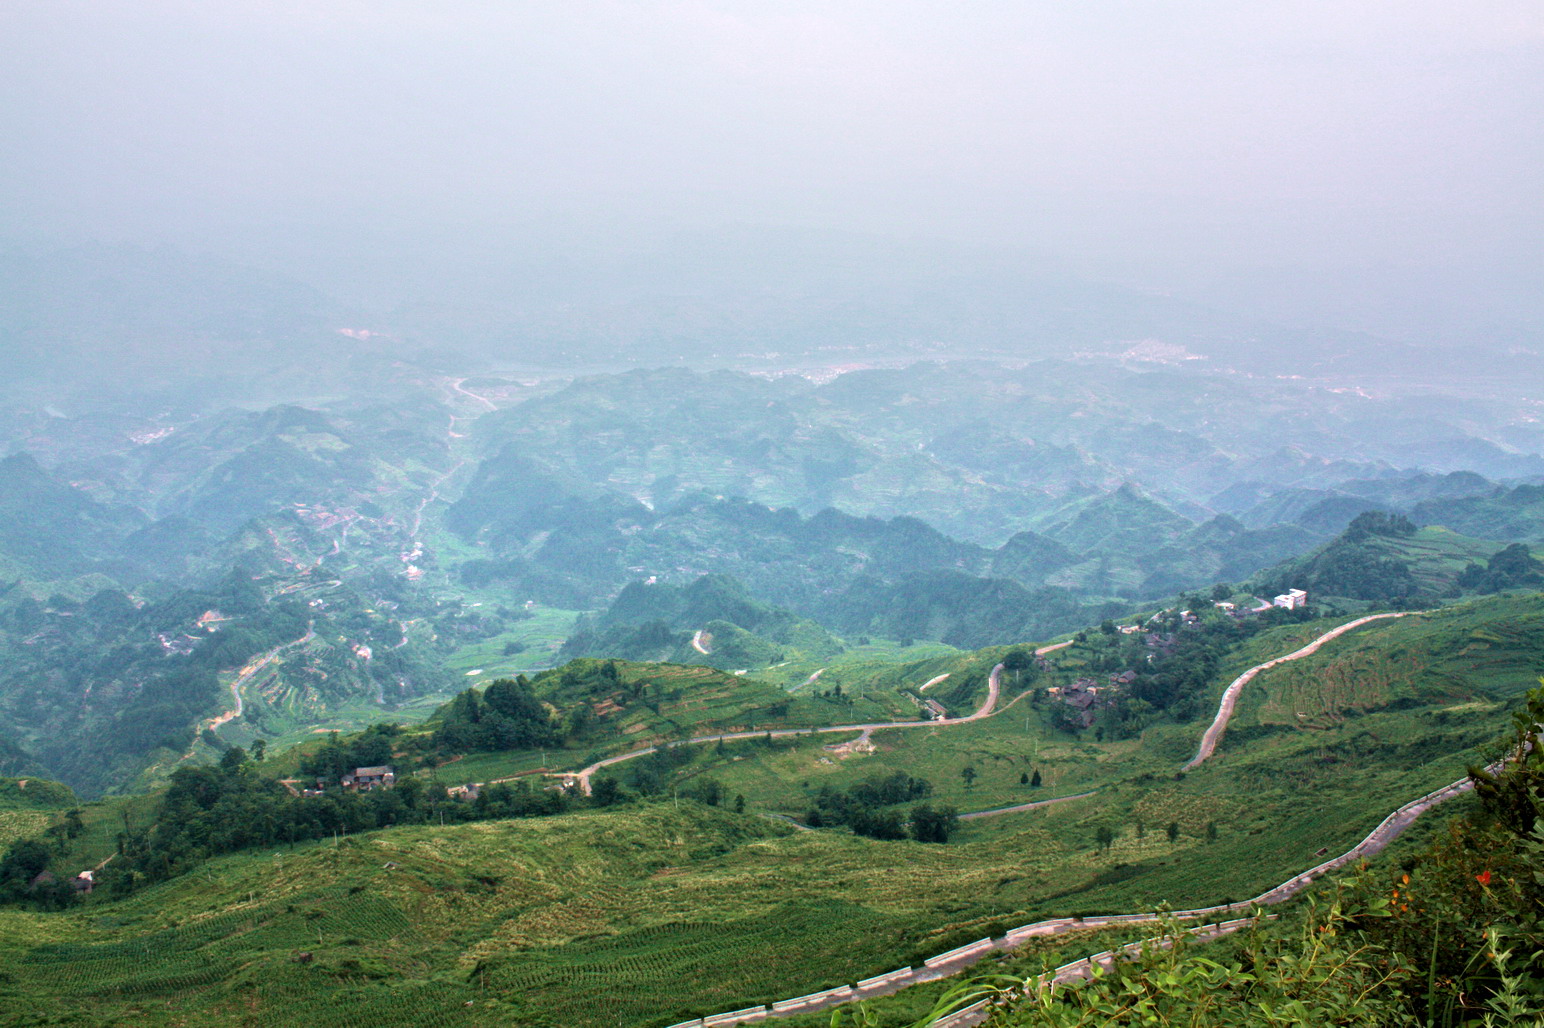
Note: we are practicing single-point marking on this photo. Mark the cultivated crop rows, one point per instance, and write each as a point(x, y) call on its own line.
point(206, 951)
point(630, 978)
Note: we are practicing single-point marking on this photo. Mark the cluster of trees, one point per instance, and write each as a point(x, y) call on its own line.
point(505, 716)
point(1511, 568)
point(1371, 523)
point(869, 808)
point(1347, 569)
point(1355, 564)
point(370, 748)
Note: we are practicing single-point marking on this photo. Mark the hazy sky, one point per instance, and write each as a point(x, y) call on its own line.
point(1170, 144)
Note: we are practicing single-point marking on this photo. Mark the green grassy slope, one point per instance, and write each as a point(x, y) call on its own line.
point(651, 913)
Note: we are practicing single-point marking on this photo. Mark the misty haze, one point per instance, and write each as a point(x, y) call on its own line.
point(694, 514)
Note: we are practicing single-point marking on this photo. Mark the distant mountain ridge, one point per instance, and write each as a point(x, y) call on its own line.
point(1085, 488)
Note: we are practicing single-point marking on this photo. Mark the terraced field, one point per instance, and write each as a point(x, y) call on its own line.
point(19, 824)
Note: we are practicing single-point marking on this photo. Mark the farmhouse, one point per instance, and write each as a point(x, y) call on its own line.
point(364, 779)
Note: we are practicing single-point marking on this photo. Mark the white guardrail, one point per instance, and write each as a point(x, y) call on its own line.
point(736, 1016)
point(884, 979)
point(968, 950)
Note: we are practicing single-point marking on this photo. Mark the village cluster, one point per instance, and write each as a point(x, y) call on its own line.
point(1084, 694)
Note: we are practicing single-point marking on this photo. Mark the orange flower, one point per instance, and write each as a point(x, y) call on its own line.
point(1483, 877)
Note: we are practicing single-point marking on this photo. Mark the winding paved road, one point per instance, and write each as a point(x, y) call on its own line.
point(1213, 734)
point(993, 689)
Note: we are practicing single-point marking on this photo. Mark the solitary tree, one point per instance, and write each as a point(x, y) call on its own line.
point(1016, 660)
point(1024, 778)
point(1104, 836)
point(739, 804)
point(1211, 831)
point(968, 773)
point(1172, 831)
point(1034, 779)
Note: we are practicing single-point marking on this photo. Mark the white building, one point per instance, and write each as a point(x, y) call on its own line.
point(1291, 599)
